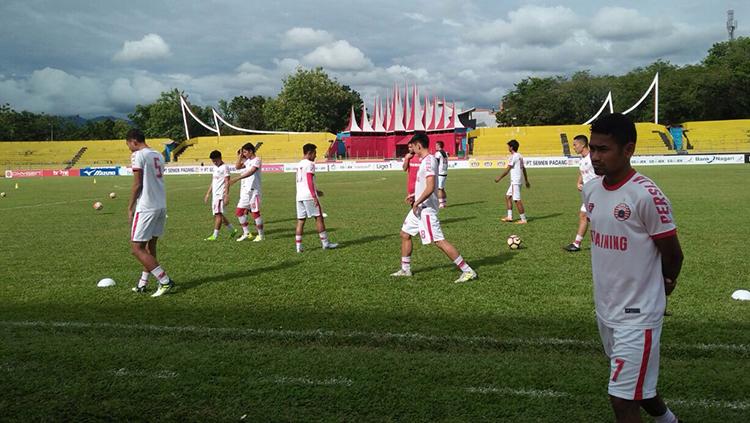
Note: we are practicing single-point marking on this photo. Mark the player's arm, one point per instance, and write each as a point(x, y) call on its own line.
point(135, 192)
point(671, 260)
point(580, 182)
point(310, 176)
point(505, 173)
point(226, 188)
point(248, 173)
point(208, 193)
point(405, 164)
point(240, 163)
point(525, 176)
point(429, 188)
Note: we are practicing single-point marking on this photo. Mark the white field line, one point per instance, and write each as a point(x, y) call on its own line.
point(319, 334)
point(548, 393)
point(335, 381)
point(159, 374)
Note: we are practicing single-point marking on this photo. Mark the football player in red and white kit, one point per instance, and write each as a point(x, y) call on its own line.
point(411, 167)
point(518, 175)
point(422, 218)
point(218, 190)
point(250, 191)
point(585, 174)
point(635, 259)
point(308, 204)
point(442, 166)
point(147, 210)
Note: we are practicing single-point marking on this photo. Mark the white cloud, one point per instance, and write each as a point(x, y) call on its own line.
point(451, 22)
point(620, 24)
point(529, 25)
point(141, 89)
point(418, 17)
point(150, 47)
point(305, 37)
point(337, 55)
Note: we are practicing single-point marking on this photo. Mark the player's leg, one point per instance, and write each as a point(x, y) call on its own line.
point(467, 273)
point(314, 209)
point(409, 228)
point(626, 411)
point(229, 226)
point(241, 214)
point(143, 281)
point(583, 224)
point(255, 210)
point(298, 234)
point(521, 211)
point(509, 205)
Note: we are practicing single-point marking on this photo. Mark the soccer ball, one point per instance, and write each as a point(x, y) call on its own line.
point(514, 242)
point(98, 206)
point(112, 195)
point(2, 194)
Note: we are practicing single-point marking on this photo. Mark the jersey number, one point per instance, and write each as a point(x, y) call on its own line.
point(619, 363)
point(157, 166)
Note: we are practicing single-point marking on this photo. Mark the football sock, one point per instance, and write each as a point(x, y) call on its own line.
point(298, 241)
point(244, 224)
point(510, 214)
point(462, 264)
point(406, 263)
point(216, 233)
point(160, 274)
point(667, 417)
point(523, 216)
point(578, 240)
point(323, 238)
point(144, 279)
point(259, 225)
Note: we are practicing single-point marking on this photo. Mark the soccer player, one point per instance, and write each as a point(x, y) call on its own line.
point(422, 219)
point(585, 174)
point(250, 191)
point(517, 176)
point(308, 203)
point(411, 167)
point(442, 168)
point(635, 258)
point(218, 189)
point(147, 210)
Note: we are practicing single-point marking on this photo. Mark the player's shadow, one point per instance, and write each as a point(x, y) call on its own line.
point(194, 283)
point(366, 240)
point(445, 222)
point(469, 203)
point(546, 216)
point(475, 264)
point(291, 219)
point(290, 230)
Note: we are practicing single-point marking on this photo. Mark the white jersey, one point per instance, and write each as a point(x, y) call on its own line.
point(306, 180)
point(428, 167)
point(252, 182)
point(625, 220)
point(151, 164)
point(586, 168)
point(442, 162)
point(219, 180)
point(515, 161)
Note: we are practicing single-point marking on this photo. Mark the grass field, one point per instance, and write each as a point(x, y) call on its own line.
point(256, 332)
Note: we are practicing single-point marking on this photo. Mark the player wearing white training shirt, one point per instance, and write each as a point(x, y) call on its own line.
point(218, 190)
point(308, 203)
point(250, 191)
point(442, 173)
point(518, 175)
point(585, 174)
point(147, 210)
point(422, 219)
point(635, 258)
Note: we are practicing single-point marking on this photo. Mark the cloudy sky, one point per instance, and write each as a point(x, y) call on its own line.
point(103, 57)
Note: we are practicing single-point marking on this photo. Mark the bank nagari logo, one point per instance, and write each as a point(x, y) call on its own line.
point(622, 212)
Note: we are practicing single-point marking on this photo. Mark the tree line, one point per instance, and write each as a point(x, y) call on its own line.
point(717, 88)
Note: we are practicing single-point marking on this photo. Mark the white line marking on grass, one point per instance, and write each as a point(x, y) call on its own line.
point(55, 203)
point(159, 374)
point(533, 393)
point(287, 380)
point(319, 334)
point(709, 403)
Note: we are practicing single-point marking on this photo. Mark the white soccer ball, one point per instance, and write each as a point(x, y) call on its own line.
point(325, 214)
point(105, 283)
point(112, 195)
point(2, 194)
point(98, 206)
point(514, 242)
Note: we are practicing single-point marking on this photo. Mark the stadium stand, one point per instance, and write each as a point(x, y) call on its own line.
point(276, 148)
point(719, 136)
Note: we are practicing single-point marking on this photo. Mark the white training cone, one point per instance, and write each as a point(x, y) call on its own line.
point(105, 283)
point(741, 294)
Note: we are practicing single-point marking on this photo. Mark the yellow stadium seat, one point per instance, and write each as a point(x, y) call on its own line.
point(277, 148)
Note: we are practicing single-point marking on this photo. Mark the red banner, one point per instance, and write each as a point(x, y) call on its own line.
point(36, 173)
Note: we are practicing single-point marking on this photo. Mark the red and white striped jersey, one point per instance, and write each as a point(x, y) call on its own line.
point(306, 180)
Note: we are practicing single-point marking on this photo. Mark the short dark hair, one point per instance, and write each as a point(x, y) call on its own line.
point(309, 148)
point(440, 143)
point(513, 144)
point(421, 138)
point(216, 154)
point(249, 147)
point(135, 135)
point(582, 138)
point(618, 126)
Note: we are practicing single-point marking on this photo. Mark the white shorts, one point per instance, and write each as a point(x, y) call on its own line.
point(249, 200)
point(147, 225)
point(583, 208)
point(441, 181)
point(514, 191)
point(217, 205)
point(426, 225)
point(307, 208)
point(634, 360)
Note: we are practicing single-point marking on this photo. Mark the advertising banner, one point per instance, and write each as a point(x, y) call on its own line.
point(37, 173)
point(99, 171)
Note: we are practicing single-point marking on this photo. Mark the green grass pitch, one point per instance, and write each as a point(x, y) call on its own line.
point(256, 332)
